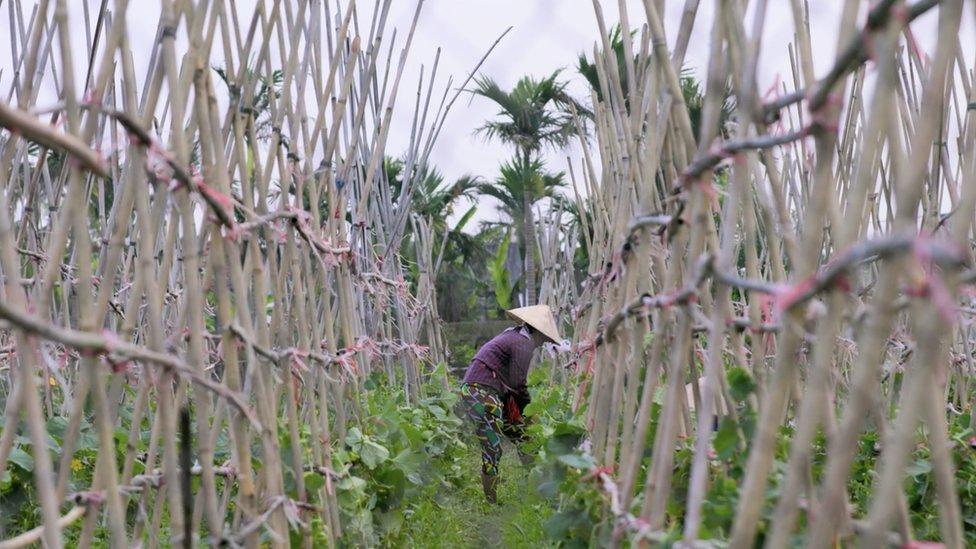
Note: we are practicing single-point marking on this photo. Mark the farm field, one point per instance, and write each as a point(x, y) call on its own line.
point(633, 273)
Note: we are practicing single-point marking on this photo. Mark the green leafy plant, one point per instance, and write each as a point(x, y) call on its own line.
point(580, 519)
point(499, 274)
point(462, 354)
point(397, 451)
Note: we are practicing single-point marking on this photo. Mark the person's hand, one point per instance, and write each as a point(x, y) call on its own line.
point(563, 346)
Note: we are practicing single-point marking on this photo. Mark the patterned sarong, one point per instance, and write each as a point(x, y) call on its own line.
point(483, 408)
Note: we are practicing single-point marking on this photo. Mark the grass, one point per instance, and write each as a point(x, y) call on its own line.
point(459, 516)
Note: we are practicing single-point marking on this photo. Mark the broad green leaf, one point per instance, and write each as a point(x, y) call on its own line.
point(22, 459)
point(741, 384)
point(560, 524)
point(372, 453)
point(415, 437)
point(499, 274)
point(354, 437)
point(562, 444)
point(57, 426)
point(537, 376)
point(409, 462)
point(533, 408)
point(351, 484)
point(394, 483)
point(577, 461)
point(548, 489)
point(726, 439)
point(314, 481)
point(351, 492)
point(87, 440)
point(918, 468)
point(391, 521)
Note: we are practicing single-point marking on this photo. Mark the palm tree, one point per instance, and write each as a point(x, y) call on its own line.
point(517, 188)
point(517, 185)
point(533, 115)
point(588, 70)
point(260, 101)
point(690, 87)
point(466, 255)
point(431, 197)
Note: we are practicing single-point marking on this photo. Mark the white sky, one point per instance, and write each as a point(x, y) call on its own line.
point(547, 35)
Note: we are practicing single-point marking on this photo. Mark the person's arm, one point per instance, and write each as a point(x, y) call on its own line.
point(521, 362)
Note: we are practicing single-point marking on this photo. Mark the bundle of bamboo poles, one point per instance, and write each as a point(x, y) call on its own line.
point(820, 241)
point(200, 263)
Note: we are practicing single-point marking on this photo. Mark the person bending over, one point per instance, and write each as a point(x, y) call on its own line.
point(494, 392)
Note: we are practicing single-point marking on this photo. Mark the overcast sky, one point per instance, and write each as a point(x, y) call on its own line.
point(547, 35)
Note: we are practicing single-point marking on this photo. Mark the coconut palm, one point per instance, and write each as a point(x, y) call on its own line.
point(534, 114)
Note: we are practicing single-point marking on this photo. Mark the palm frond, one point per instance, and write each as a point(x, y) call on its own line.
point(533, 114)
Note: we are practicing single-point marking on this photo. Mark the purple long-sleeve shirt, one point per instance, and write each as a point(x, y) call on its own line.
point(505, 359)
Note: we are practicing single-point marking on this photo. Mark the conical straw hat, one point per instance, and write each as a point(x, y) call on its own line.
point(540, 318)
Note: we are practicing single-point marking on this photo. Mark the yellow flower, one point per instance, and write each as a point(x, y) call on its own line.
point(52, 382)
point(76, 465)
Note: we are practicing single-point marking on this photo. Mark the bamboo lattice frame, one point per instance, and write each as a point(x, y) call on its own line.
point(181, 246)
point(839, 252)
point(218, 260)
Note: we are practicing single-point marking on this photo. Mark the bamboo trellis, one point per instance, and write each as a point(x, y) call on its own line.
point(219, 260)
point(840, 250)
